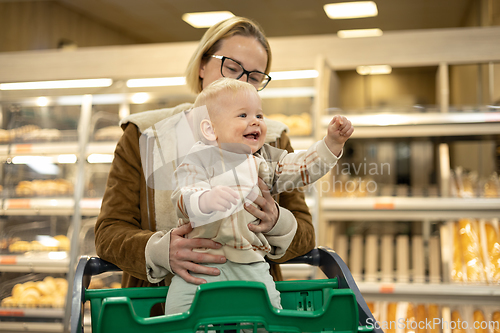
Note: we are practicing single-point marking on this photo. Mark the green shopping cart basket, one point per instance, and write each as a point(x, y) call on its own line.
point(325, 305)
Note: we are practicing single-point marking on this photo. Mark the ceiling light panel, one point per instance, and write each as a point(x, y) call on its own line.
point(358, 33)
point(205, 19)
point(374, 70)
point(349, 10)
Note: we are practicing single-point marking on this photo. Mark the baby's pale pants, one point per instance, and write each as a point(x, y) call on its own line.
point(181, 293)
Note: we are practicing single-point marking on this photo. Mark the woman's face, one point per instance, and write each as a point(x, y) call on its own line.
point(246, 50)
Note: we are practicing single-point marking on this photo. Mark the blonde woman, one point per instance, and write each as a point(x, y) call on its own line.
point(137, 226)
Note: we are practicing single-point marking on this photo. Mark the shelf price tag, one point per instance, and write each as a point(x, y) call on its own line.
point(11, 313)
point(18, 203)
point(23, 148)
point(384, 205)
point(386, 289)
point(8, 260)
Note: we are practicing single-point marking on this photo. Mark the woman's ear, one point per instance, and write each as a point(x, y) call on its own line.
point(201, 72)
point(207, 130)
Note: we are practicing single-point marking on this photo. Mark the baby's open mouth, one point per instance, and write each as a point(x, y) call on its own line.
point(254, 135)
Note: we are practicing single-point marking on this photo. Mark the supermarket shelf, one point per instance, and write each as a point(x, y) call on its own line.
point(50, 206)
point(398, 208)
point(53, 148)
point(48, 148)
point(35, 262)
point(47, 313)
point(31, 327)
point(435, 293)
point(423, 124)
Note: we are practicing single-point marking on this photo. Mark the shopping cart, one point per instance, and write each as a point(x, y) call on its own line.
point(325, 305)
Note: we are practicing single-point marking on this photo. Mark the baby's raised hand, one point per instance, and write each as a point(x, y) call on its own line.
point(339, 130)
point(219, 199)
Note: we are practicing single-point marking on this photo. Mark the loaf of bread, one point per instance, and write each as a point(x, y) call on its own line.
point(457, 266)
point(456, 318)
point(471, 250)
point(410, 319)
point(495, 317)
point(391, 317)
point(493, 253)
point(434, 315)
point(478, 317)
point(421, 317)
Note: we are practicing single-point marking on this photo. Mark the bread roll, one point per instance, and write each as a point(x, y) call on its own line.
point(46, 301)
point(61, 286)
point(9, 302)
point(63, 244)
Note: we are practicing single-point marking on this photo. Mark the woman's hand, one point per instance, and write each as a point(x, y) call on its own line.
point(184, 260)
point(268, 212)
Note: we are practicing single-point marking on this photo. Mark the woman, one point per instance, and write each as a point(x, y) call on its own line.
point(137, 226)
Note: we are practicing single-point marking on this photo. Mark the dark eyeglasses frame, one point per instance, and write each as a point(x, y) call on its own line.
point(223, 58)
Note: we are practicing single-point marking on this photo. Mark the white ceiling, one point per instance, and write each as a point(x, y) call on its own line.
point(159, 21)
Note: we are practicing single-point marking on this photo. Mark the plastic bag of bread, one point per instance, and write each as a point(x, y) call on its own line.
point(434, 316)
point(457, 318)
point(471, 251)
point(495, 317)
point(491, 188)
point(490, 245)
point(421, 316)
point(457, 269)
point(478, 317)
point(391, 318)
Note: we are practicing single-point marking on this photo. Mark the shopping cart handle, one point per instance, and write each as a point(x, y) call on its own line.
point(87, 267)
point(334, 267)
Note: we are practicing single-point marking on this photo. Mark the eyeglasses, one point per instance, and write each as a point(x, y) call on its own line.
point(232, 69)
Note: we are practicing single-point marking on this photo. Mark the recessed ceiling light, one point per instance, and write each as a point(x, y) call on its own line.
point(205, 19)
point(374, 70)
point(357, 33)
point(348, 10)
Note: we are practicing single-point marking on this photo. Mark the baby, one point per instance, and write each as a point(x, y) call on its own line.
point(219, 176)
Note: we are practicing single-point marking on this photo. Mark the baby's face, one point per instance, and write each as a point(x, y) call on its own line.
point(240, 120)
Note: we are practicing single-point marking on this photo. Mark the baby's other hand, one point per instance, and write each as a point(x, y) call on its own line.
point(219, 198)
point(339, 130)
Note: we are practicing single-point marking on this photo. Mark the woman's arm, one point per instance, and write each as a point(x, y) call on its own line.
point(120, 235)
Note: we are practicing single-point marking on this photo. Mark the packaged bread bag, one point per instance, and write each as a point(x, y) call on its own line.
point(490, 246)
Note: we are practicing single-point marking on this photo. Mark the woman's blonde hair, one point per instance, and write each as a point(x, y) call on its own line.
point(210, 43)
